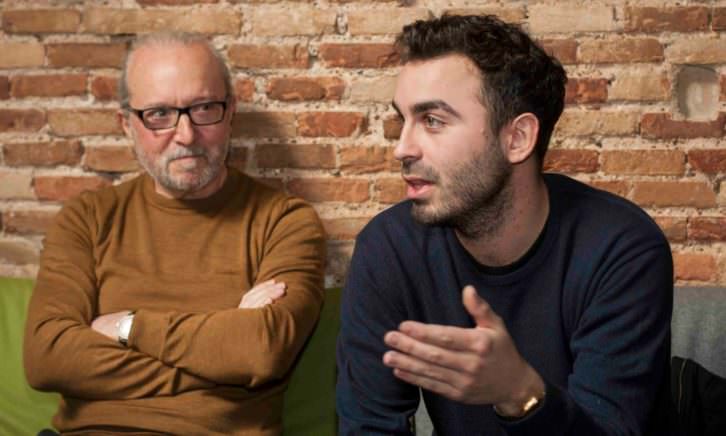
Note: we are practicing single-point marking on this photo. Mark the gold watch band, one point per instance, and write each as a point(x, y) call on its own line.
point(527, 407)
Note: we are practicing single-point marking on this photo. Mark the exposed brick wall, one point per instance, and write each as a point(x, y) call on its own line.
point(314, 81)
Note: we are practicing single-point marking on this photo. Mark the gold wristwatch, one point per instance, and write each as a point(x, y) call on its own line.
point(123, 327)
point(526, 408)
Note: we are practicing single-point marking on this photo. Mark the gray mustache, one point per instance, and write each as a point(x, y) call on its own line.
point(183, 152)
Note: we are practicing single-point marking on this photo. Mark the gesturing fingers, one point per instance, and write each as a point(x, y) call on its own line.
point(424, 374)
point(446, 337)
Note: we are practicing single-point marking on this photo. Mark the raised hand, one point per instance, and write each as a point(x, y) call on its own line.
point(479, 365)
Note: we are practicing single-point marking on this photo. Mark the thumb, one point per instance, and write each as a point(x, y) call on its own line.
point(479, 309)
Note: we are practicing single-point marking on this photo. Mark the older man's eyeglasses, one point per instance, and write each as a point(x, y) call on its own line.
point(166, 117)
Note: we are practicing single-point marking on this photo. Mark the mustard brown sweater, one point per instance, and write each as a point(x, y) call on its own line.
point(195, 363)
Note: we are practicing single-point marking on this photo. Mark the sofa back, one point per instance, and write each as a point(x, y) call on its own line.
point(699, 327)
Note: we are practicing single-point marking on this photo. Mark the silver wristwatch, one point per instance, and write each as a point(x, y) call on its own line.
point(123, 327)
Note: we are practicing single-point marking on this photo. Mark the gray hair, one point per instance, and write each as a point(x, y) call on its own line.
point(165, 39)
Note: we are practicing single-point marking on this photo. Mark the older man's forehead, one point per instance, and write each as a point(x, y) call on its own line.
point(150, 67)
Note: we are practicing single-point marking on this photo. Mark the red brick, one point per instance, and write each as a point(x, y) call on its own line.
point(244, 90)
point(645, 162)
point(640, 85)
point(707, 229)
point(305, 88)
point(695, 267)
point(21, 120)
point(41, 21)
point(567, 17)
point(71, 122)
point(238, 158)
point(620, 51)
point(372, 55)
point(28, 222)
point(392, 127)
point(359, 160)
point(268, 56)
point(378, 89)
point(565, 50)
point(571, 161)
point(18, 252)
point(43, 153)
point(305, 156)
point(105, 88)
point(129, 21)
point(708, 161)
point(389, 190)
point(383, 21)
point(173, 2)
point(617, 187)
point(264, 125)
point(674, 228)
point(330, 189)
point(661, 125)
point(596, 122)
point(674, 194)
point(666, 19)
point(586, 90)
point(292, 21)
point(718, 20)
point(48, 85)
point(331, 124)
point(60, 188)
point(86, 55)
point(21, 54)
point(4, 88)
point(114, 159)
point(341, 229)
point(704, 50)
point(15, 185)
point(516, 15)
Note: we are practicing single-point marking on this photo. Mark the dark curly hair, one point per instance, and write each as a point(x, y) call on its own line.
point(517, 75)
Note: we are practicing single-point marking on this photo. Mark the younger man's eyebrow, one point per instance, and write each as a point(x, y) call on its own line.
point(426, 106)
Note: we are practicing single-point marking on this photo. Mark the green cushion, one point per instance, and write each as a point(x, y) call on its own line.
point(309, 407)
point(310, 398)
point(23, 410)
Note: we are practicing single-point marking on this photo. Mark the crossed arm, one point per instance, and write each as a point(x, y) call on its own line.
point(169, 352)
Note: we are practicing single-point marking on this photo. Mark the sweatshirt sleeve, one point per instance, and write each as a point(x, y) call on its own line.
point(621, 350)
point(248, 347)
point(61, 351)
point(369, 398)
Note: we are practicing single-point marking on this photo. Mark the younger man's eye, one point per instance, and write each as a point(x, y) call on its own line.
point(433, 122)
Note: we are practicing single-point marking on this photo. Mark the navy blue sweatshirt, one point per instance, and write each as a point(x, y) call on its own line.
point(589, 307)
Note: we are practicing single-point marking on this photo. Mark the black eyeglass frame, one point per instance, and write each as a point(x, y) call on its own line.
point(179, 112)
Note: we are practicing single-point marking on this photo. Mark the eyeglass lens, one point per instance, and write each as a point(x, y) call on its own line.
point(200, 114)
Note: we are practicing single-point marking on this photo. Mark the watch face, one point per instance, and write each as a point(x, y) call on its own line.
point(124, 328)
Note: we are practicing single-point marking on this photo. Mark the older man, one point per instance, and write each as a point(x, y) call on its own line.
point(520, 303)
point(175, 302)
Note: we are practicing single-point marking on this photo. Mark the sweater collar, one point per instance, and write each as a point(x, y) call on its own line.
point(210, 203)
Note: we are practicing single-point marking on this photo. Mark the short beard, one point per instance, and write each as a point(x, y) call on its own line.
point(159, 170)
point(477, 197)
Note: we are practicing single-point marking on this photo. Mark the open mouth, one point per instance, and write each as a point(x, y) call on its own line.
point(417, 188)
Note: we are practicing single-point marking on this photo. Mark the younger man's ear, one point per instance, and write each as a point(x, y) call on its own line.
point(519, 137)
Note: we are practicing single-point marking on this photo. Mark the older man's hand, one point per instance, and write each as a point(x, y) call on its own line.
point(262, 294)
